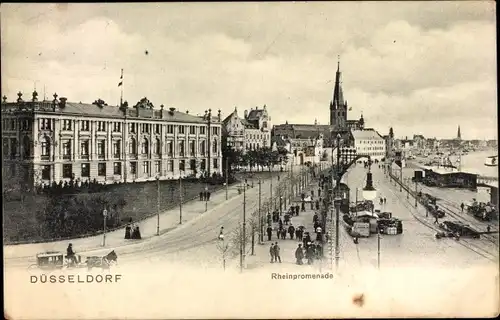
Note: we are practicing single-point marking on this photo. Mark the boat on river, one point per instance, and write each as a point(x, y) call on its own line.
point(491, 161)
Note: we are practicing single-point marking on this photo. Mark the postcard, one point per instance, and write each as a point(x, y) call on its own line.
point(250, 160)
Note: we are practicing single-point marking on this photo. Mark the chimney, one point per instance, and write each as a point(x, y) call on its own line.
point(62, 102)
point(34, 96)
point(4, 98)
point(54, 102)
point(171, 111)
point(246, 114)
point(161, 111)
point(205, 116)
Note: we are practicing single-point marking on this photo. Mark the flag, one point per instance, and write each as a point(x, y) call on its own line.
point(121, 79)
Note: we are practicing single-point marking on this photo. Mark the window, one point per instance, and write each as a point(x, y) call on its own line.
point(170, 148)
point(5, 147)
point(132, 147)
point(192, 130)
point(202, 130)
point(157, 146)
point(13, 126)
point(66, 125)
point(101, 169)
point(202, 148)
point(117, 168)
point(182, 165)
point(84, 148)
point(192, 164)
point(117, 144)
point(101, 148)
point(45, 148)
point(85, 170)
point(170, 165)
point(101, 126)
point(26, 125)
point(181, 130)
point(132, 128)
point(216, 163)
point(45, 124)
point(214, 147)
point(145, 128)
point(157, 128)
point(117, 127)
point(145, 146)
point(26, 147)
point(66, 145)
point(203, 164)
point(215, 131)
point(84, 125)
point(45, 172)
point(67, 170)
point(170, 129)
point(181, 148)
point(133, 167)
point(192, 148)
point(157, 166)
point(145, 167)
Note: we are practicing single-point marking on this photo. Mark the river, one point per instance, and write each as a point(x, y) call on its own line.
point(474, 162)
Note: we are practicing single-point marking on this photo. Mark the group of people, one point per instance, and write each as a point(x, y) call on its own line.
point(310, 251)
point(204, 195)
point(132, 232)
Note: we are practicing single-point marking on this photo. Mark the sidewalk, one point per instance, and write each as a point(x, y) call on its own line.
point(262, 258)
point(169, 220)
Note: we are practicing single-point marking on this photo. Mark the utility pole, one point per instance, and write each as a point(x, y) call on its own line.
point(401, 178)
point(337, 207)
point(271, 187)
point(261, 224)
point(158, 206)
point(243, 245)
point(378, 247)
point(227, 177)
point(180, 197)
point(416, 194)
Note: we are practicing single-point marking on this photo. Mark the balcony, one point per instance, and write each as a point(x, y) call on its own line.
point(66, 157)
point(100, 156)
point(45, 157)
point(84, 157)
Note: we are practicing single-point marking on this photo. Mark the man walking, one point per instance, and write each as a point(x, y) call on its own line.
point(299, 254)
point(291, 231)
point(269, 231)
point(271, 252)
point(277, 256)
point(462, 206)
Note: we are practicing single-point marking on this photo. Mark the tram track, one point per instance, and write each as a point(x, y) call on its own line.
point(481, 251)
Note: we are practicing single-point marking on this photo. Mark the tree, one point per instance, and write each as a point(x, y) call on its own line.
point(232, 158)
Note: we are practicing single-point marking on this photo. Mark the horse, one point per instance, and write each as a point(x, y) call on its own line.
point(102, 262)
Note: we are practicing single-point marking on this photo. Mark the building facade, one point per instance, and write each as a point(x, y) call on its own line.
point(369, 142)
point(252, 132)
point(52, 141)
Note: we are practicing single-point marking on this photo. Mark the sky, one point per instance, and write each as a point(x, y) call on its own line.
point(419, 67)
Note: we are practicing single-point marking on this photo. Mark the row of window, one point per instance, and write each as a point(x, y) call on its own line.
point(369, 148)
point(117, 147)
point(12, 124)
point(101, 126)
point(370, 141)
point(255, 136)
point(67, 169)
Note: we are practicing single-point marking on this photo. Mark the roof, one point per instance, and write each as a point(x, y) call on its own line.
point(255, 114)
point(106, 111)
point(366, 134)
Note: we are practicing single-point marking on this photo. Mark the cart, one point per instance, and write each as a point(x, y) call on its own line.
point(55, 260)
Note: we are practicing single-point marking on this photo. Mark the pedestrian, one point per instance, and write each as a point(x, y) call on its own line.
point(201, 195)
point(269, 232)
point(277, 256)
point(297, 211)
point(269, 219)
point(319, 192)
point(283, 233)
point(208, 195)
point(297, 234)
point(280, 222)
point(436, 219)
point(385, 200)
point(303, 206)
point(317, 204)
point(312, 205)
point(271, 253)
point(287, 218)
point(488, 228)
point(127, 232)
point(310, 253)
point(299, 254)
point(315, 217)
point(291, 231)
point(462, 206)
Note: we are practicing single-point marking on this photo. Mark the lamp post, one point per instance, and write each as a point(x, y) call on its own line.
point(227, 176)
point(104, 215)
point(180, 198)
point(243, 240)
point(158, 204)
point(223, 247)
point(206, 198)
point(416, 193)
point(369, 193)
point(261, 223)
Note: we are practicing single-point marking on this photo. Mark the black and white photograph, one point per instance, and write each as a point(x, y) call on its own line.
point(238, 160)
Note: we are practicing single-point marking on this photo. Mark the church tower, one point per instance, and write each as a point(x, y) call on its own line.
point(338, 106)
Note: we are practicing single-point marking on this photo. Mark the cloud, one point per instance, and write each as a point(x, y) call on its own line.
point(406, 65)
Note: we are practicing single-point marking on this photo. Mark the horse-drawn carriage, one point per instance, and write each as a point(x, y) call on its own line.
point(456, 229)
point(481, 211)
point(56, 260)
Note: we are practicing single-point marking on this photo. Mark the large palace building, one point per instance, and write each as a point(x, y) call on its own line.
point(58, 140)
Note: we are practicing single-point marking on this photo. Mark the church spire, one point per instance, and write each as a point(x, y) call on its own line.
point(338, 96)
point(459, 135)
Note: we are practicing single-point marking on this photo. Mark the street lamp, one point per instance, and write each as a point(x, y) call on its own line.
point(369, 193)
point(223, 247)
point(206, 198)
point(158, 204)
point(105, 215)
